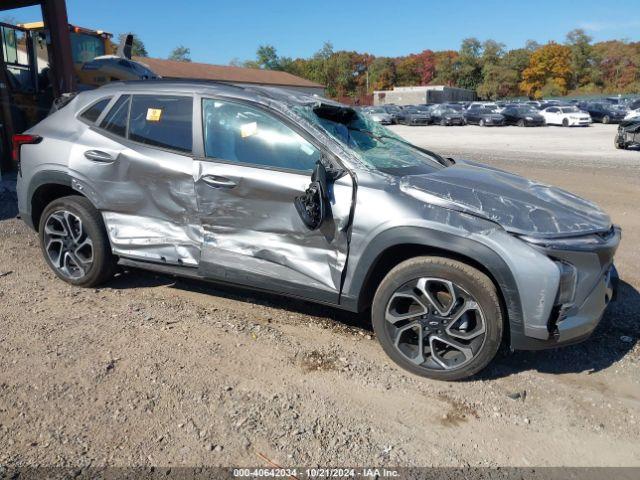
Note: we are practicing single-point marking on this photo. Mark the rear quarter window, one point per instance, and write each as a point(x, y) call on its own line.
point(115, 121)
point(92, 113)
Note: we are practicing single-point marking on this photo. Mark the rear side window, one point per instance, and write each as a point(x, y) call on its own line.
point(116, 120)
point(92, 113)
point(162, 121)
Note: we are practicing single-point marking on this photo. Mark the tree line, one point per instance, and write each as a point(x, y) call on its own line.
point(577, 66)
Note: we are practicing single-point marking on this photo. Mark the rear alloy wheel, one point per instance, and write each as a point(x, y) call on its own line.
point(74, 242)
point(482, 124)
point(443, 122)
point(521, 123)
point(565, 122)
point(619, 143)
point(438, 318)
point(606, 119)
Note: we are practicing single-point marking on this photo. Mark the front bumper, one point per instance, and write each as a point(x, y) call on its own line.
point(579, 122)
point(493, 122)
point(595, 289)
point(419, 121)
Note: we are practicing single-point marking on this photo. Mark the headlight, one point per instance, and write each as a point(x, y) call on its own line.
point(568, 243)
point(567, 285)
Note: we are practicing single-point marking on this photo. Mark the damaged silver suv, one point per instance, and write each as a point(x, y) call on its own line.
point(300, 196)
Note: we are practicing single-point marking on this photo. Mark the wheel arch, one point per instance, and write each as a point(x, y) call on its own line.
point(399, 244)
point(44, 188)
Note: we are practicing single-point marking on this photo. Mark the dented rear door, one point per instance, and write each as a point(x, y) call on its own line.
point(254, 165)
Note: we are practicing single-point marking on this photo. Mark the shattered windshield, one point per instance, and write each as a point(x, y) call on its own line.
point(375, 145)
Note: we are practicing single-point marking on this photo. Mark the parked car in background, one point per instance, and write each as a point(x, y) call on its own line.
point(522, 116)
point(534, 103)
point(393, 111)
point(414, 116)
point(458, 107)
point(603, 112)
point(380, 115)
point(628, 135)
point(566, 116)
point(258, 187)
point(483, 116)
point(445, 115)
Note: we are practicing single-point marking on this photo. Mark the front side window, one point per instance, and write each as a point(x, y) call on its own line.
point(162, 121)
point(238, 133)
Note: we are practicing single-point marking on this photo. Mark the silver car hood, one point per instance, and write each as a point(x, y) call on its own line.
point(518, 205)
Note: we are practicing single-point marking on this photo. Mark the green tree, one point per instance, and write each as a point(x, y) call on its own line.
point(446, 71)
point(582, 59)
point(469, 64)
point(267, 57)
point(382, 74)
point(180, 54)
point(137, 48)
point(408, 70)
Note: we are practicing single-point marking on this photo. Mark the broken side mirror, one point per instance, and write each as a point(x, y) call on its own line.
point(312, 205)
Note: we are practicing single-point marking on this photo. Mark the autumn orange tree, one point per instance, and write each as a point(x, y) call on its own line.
point(549, 71)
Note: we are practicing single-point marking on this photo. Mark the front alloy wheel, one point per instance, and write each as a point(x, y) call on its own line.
point(438, 317)
point(435, 323)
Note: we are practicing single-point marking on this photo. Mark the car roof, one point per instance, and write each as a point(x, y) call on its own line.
point(253, 92)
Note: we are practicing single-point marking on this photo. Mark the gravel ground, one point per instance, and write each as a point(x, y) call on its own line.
point(151, 370)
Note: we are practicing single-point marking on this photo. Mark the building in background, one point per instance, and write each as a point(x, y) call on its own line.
point(422, 94)
point(172, 69)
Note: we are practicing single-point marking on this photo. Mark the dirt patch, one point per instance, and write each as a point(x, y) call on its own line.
point(458, 412)
point(319, 361)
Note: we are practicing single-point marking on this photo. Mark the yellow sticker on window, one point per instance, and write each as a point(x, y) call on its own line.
point(154, 114)
point(248, 129)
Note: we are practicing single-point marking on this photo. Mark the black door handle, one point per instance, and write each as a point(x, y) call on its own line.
point(98, 156)
point(216, 181)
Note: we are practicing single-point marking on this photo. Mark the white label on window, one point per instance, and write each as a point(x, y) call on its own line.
point(248, 129)
point(154, 114)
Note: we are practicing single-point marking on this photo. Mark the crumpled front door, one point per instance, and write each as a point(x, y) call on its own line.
point(254, 236)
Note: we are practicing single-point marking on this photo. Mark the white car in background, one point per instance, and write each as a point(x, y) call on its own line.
point(566, 116)
point(633, 114)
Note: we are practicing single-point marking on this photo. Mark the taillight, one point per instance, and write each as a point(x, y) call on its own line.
point(22, 139)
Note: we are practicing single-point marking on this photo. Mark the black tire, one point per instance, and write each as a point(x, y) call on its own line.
point(443, 122)
point(565, 122)
point(104, 263)
point(606, 119)
point(476, 283)
point(619, 144)
point(521, 123)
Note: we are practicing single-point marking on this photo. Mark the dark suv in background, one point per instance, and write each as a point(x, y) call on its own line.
point(603, 112)
point(301, 196)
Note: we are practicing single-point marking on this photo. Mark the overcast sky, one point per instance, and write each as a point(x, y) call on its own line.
point(219, 31)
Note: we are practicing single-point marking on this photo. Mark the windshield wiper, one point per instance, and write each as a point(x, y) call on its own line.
point(437, 157)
